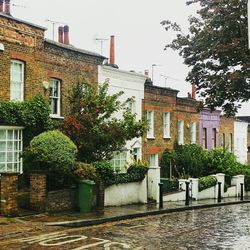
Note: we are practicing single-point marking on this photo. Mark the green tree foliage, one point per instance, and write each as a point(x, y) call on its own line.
point(216, 50)
point(50, 151)
point(93, 126)
point(186, 160)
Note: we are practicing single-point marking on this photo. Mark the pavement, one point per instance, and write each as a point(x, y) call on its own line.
point(111, 214)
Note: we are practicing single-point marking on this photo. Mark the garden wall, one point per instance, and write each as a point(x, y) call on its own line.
point(126, 193)
point(61, 200)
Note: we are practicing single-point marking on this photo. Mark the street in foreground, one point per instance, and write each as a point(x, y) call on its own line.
point(214, 228)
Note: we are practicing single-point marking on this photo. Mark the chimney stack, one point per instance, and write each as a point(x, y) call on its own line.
point(1, 5)
point(193, 91)
point(66, 34)
point(60, 34)
point(112, 50)
point(7, 7)
point(146, 72)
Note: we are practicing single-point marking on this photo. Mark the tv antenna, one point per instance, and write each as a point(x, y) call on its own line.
point(101, 41)
point(169, 77)
point(53, 25)
point(17, 5)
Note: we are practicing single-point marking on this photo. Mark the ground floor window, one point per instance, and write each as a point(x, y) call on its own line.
point(11, 146)
point(119, 161)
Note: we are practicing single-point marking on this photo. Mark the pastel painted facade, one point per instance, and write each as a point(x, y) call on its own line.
point(209, 128)
point(240, 139)
point(132, 84)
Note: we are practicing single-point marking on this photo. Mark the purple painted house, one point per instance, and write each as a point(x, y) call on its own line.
point(209, 128)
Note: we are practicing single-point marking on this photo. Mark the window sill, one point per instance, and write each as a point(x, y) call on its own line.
point(53, 116)
point(166, 137)
point(150, 137)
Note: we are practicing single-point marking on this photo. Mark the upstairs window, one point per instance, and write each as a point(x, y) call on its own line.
point(16, 80)
point(180, 132)
point(166, 125)
point(214, 142)
point(193, 132)
point(150, 119)
point(204, 138)
point(230, 142)
point(223, 141)
point(55, 97)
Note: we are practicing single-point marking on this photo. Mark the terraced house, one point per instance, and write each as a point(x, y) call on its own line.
point(30, 64)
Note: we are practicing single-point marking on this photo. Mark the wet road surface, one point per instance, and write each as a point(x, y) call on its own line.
point(225, 227)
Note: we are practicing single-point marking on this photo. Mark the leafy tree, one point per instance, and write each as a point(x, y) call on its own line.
point(216, 50)
point(93, 126)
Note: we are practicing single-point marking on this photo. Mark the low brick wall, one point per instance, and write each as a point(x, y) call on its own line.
point(61, 200)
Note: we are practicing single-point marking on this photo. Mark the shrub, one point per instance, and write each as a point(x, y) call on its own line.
point(187, 160)
point(135, 173)
point(206, 182)
point(221, 161)
point(169, 185)
point(247, 182)
point(84, 171)
point(51, 151)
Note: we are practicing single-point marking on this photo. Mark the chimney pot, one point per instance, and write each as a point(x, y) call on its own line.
point(193, 91)
point(146, 72)
point(60, 34)
point(66, 34)
point(112, 50)
point(7, 7)
point(1, 5)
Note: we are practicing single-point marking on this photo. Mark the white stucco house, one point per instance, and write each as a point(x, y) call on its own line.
point(240, 140)
point(132, 84)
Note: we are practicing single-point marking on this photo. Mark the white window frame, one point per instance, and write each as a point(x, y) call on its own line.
point(166, 125)
point(119, 161)
point(150, 119)
point(14, 83)
point(193, 132)
point(180, 132)
point(55, 98)
point(12, 149)
point(153, 160)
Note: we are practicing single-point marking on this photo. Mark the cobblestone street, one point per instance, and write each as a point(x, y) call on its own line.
point(213, 228)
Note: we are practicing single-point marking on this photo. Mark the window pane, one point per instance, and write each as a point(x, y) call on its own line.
point(2, 167)
point(10, 135)
point(2, 146)
point(9, 146)
point(2, 134)
point(2, 157)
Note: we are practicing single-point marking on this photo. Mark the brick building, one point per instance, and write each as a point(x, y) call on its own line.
point(170, 119)
point(226, 133)
point(30, 64)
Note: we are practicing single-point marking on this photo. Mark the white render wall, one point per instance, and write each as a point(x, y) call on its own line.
point(132, 84)
point(126, 193)
point(240, 141)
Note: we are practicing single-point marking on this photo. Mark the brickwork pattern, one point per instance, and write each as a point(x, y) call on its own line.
point(38, 192)
point(162, 100)
point(9, 193)
point(226, 128)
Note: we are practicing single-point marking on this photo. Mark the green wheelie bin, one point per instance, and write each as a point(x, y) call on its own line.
point(85, 195)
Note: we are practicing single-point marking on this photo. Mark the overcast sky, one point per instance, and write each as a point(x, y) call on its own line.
point(139, 37)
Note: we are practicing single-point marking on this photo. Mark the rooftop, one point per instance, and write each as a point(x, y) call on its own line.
point(21, 21)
